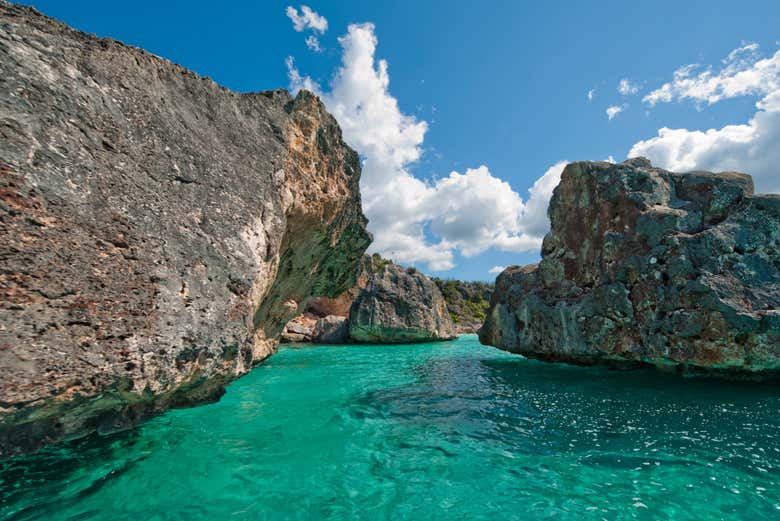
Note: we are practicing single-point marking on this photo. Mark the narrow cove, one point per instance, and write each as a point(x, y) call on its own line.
point(449, 430)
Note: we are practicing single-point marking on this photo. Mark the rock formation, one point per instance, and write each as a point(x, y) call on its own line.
point(157, 231)
point(331, 329)
point(645, 266)
point(399, 305)
point(409, 308)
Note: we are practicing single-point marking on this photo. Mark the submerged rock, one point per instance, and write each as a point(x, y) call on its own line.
point(645, 266)
point(157, 231)
point(399, 305)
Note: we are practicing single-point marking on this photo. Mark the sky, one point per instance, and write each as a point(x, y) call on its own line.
point(464, 113)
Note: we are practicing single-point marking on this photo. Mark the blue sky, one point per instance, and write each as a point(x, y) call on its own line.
point(500, 84)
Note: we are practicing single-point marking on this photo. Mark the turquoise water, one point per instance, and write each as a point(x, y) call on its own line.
point(427, 431)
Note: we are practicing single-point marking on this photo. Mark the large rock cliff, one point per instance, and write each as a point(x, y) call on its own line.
point(645, 266)
point(157, 231)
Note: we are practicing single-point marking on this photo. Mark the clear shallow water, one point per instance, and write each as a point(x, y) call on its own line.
point(427, 431)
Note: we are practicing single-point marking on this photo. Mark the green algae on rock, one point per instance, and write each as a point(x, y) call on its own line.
point(645, 266)
point(157, 230)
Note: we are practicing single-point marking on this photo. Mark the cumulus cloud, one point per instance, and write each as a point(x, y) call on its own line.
point(750, 147)
point(307, 19)
point(591, 93)
point(614, 110)
point(413, 220)
point(626, 88)
point(496, 269)
point(742, 73)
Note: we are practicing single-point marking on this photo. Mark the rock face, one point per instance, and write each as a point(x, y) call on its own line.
point(157, 231)
point(645, 266)
point(399, 305)
point(331, 329)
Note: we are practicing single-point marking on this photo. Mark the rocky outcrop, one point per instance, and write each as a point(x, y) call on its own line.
point(157, 231)
point(299, 329)
point(645, 266)
point(467, 303)
point(412, 309)
point(399, 305)
point(331, 329)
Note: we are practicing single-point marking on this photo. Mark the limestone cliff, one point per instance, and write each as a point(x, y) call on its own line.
point(645, 266)
point(157, 231)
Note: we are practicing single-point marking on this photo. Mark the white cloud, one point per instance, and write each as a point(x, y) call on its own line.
point(534, 221)
point(626, 88)
point(313, 43)
point(610, 159)
point(414, 220)
point(496, 269)
point(591, 93)
point(308, 19)
point(614, 110)
point(298, 82)
point(751, 148)
point(743, 73)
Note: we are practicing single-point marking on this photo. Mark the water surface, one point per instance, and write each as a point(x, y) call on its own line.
point(425, 431)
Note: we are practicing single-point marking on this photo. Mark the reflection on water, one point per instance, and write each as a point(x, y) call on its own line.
point(445, 431)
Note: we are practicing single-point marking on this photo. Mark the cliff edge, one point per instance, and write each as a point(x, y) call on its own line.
point(157, 231)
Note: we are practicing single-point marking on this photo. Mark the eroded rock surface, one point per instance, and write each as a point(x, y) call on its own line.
point(331, 329)
point(399, 305)
point(645, 266)
point(157, 231)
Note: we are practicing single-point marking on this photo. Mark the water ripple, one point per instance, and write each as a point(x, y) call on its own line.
point(443, 431)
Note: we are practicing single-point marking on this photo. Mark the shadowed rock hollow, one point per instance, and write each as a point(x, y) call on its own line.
point(645, 266)
point(157, 231)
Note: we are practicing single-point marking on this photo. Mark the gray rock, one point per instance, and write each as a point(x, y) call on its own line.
point(331, 329)
point(399, 305)
point(157, 230)
point(645, 266)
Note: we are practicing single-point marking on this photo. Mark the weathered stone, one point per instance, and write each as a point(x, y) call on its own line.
point(299, 329)
point(645, 266)
point(157, 231)
point(331, 329)
point(399, 305)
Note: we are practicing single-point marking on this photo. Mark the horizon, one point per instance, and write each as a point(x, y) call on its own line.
point(462, 204)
